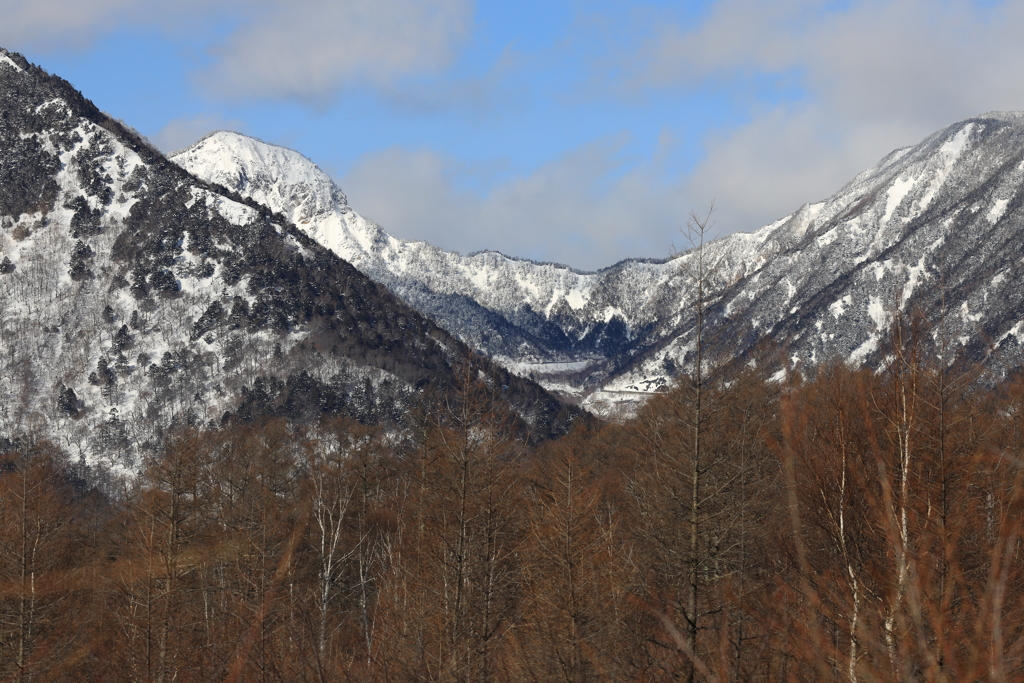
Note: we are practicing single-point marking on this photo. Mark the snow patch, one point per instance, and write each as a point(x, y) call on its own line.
point(997, 211)
point(479, 278)
point(828, 238)
point(897, 193)
point(234, 212)
point(965, 313)
point(527, 284)
point(4, 59)
point(525, 368)
point(1015, 331)
point(55, 102)
point(881, 268)
point(955, 146)
point(916, 272)
point(612, 311)
point(877, 312)
point(614, 405)
point(576, 299)
point(864, 350)
point(838, 307)
point(949, 152)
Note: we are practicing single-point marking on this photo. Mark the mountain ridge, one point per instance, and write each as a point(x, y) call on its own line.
point(628, 322)
point(135, 296)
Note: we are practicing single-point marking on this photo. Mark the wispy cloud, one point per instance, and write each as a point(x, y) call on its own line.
point(57, 23)
point(587, 208)
point(872, 75)
point(309, 49)
point(306, 49)
point(76, 24)
point(182, 132)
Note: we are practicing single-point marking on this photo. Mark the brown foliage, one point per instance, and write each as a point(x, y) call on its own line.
point(851, 526)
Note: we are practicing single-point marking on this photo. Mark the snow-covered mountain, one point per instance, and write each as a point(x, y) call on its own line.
point(513, 309)
point(568, 328)
point(937, 228)
point(134, 296)
point(939, 225)
point(134, 291)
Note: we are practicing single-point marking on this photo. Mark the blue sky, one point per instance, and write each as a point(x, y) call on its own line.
point(577, 132)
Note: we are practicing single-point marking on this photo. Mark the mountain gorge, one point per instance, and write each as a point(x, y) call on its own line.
point(134, 296)
point(934, 228)
point(234, 280)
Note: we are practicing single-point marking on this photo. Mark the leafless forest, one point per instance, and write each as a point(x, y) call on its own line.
point(850, 526)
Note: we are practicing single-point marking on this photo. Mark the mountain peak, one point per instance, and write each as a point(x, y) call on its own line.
point(274, 176)
point(825, 280)
point(135, 297)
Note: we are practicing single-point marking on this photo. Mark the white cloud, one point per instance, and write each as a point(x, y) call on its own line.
point(567, 211)
point(181, 133)
point(876, 75)
point(311, 48)
point(785, 157)
point(60, 24)
point(308, 49)
point(53, 23)
point(589, 209)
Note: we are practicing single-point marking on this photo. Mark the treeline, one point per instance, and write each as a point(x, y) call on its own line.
point(851, 526)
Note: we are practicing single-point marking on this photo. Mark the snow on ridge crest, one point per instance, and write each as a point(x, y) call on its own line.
point(280, 178)
point(4, 59)
point(1008, 116)
point(842, 260)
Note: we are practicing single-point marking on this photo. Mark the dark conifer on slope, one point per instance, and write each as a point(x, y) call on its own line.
point(939, 222)
point(155, 298)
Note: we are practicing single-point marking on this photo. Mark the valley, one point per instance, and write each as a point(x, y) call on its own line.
point(932, 228)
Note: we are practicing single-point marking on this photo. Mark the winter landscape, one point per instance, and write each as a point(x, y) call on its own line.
point(247, 432)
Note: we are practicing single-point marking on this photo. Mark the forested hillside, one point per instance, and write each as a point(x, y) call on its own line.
point(850, 526)
point(135, 297)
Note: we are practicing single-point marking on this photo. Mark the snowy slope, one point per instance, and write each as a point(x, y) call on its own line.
point(937, 228)
point(135, 297)
point(823, 281)
point(537, 318)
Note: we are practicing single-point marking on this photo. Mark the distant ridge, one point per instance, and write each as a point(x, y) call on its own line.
point(823, 281)
point(135, 297)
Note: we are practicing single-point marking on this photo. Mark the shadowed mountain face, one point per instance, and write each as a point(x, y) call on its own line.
point(936, 227)
point(134, 296)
